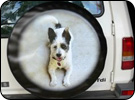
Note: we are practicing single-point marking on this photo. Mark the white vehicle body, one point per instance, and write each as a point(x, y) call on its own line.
point(116, 25)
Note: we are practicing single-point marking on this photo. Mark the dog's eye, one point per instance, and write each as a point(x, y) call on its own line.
point(55, 47)
point(63, 46)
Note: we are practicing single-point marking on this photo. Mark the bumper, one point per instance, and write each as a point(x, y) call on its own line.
point(89, 94)
point(85, 95)
point(124, 87)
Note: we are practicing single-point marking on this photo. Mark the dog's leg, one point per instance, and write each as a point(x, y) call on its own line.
point(66, 81)
point(53, 82)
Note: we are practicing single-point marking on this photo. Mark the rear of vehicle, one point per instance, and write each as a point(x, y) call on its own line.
point(116, 80)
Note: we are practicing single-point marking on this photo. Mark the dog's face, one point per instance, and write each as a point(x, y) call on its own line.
point(60, 40)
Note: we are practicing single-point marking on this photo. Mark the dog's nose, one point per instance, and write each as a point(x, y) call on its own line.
point(58, 55)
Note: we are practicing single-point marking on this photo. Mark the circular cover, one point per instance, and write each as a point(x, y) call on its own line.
point(28, 54)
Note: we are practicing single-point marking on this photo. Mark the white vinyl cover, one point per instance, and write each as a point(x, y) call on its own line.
point(34, 52)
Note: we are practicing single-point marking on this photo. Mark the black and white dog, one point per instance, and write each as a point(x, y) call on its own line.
point(61, 55)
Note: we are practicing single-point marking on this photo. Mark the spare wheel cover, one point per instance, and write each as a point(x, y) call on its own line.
point(19, 33)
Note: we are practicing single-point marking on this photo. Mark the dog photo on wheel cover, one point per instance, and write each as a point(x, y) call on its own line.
point(60, 41)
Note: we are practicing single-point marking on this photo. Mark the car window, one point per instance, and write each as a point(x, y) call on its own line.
point(11, 11)
point(94, 7)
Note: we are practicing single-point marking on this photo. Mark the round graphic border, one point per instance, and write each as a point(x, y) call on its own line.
point(16, 66)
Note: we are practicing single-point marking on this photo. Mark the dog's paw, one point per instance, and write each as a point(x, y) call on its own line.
point(53, 83)
point(66, 84)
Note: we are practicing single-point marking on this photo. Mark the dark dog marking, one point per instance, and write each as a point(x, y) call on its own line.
point(58, 25)
point(55, 47)
point(65, 47)
point(66, 35)
point(51, 35)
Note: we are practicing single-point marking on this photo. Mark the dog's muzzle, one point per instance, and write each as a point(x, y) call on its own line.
point(58, 61)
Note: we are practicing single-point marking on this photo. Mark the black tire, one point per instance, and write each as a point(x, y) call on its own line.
point(15, 66)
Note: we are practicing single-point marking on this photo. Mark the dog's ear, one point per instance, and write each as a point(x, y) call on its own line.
point(66, 35)
point(51, 35)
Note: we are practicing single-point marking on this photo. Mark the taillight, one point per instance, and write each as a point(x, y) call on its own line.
point(128, 92)
point(128, 53)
